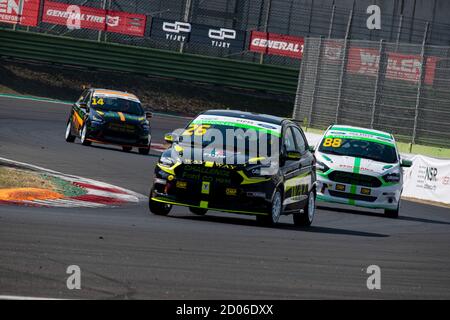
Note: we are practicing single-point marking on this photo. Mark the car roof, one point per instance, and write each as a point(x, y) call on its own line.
point(114, 93)
point(359, 131)
point(247, 115)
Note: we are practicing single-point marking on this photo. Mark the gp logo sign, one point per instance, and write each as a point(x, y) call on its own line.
point(220, 36)
point(177, 27)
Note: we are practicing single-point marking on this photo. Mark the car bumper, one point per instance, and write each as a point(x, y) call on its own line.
point(101, 134)
point(252, 199)
point(384, 197)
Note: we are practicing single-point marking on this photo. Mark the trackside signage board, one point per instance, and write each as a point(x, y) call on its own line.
point(217, 37)
point(171, 30)
point(428, 179)
point(365, 61)
point(82, 17)
point(24, 12)
point(276, 44)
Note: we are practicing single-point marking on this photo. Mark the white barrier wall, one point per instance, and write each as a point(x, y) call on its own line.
point(427, 179)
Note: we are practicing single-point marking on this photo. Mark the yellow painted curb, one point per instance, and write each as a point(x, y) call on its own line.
point(28, 194)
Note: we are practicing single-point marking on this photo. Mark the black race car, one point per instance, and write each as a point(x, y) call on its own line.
point(237, 162)
point(111, 117)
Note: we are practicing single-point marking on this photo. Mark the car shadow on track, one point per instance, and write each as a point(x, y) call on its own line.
point(153, 154)
point(381, 215)
point(282, 226)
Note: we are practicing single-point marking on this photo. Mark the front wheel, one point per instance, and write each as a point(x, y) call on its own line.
point(83, 137)
point(305, 218)
point(391, 213)
point(69, 137)
point(159, 208)
point(274, 212)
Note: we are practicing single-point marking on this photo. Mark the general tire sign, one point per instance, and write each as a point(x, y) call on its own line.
point(277, 44)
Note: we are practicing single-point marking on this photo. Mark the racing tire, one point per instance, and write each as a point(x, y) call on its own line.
point(275, 211)
point(198, 211)
point(392, 213)
point(159, 208)
point(68, 136)
point(83, 136)
point(144, 151)
point(305, 217)
point(127, 149)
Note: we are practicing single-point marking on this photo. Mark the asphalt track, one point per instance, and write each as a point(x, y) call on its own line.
point(127, 253)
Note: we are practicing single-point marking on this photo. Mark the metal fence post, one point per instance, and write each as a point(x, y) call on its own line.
point(266, 26)
point(380, 72)
point(186, 17)
point(316, 81)
point(19, 16)
point(423, 63)
point(99, 38)
point(399, 32)
point(330, 29)
point(343, 65)
point(296, 112)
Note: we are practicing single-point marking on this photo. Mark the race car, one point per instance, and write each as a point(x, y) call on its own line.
point(237, 162)
point(360, 167)
point(110, 117)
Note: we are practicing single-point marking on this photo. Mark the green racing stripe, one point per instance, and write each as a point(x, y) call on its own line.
point(238, 125)
point(356, 168)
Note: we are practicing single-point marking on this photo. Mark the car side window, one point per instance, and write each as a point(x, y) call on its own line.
point(83, 96)
point(300, 140)
point(288, 141)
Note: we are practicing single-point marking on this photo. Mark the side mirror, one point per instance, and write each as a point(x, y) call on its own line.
point(311, 149)
point(171, 137)
point(83, 105)
point(148, 115)
point(293, 155)
point(405, 163)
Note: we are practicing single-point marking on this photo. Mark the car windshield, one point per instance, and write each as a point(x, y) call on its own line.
point(359, 148)
point(117, 104)
point(232, 138)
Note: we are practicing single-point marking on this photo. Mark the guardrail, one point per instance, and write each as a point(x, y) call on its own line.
point(153, 62)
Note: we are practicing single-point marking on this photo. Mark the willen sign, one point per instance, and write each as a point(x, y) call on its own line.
point(277, 44)
point(11, 12)
point(81, 17)
point(400, 66)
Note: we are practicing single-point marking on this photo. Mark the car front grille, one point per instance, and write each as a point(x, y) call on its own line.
point(198, 173)
point(351, 196)
point(354, 178)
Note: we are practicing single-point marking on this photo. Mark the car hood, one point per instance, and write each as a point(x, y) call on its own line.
point(119, 116)
point(214, 155)
point(352, 164)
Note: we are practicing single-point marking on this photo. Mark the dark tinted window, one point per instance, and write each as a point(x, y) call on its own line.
point(301, 144)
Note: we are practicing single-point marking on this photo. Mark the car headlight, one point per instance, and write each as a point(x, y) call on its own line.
point(257, 170)
point(320, 166)
point(97, 118)
point(392, 177)
point(166, 161)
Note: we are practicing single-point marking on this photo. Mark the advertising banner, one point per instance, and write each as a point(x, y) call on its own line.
point(400, 66)
point(171, 30)
point(428, 179)
point(81, 17)
point(277, 44)
point(25, 12)
point(217, 37)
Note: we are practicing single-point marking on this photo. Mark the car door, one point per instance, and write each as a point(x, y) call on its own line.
point(306, 176)
point(290, 169)
point(80, 109)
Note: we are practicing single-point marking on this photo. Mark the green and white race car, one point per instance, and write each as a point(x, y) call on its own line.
point(360, 167)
